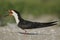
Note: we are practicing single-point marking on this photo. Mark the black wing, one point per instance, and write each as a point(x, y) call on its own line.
point(31, 25)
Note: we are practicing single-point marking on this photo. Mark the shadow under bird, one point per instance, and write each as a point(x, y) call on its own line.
point(25, 24)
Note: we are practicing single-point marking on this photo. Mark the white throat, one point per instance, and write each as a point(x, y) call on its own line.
point(16, 17)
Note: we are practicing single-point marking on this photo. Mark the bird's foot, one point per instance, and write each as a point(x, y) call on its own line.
point(25, 31)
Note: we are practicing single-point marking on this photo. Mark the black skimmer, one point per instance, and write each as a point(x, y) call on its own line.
point(24, 24)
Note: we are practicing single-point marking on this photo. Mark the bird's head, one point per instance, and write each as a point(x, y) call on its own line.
point(15, 14)
point(12, 12)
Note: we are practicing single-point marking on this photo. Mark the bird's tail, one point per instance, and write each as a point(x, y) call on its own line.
point(42, 25)
point(48, 24)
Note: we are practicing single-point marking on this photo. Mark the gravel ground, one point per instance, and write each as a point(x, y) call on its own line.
point(12, 32)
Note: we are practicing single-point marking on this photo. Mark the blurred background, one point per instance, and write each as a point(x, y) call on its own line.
point(36, 10)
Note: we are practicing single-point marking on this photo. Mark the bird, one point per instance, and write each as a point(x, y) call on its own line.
point(25, 24)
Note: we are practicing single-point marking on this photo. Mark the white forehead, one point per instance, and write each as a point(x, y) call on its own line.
point(14, 13)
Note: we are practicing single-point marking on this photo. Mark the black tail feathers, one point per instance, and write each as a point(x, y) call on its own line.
point(52, 23)
point(48, 24)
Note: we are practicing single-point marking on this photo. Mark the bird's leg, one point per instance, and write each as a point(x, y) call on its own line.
point(25, 31)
